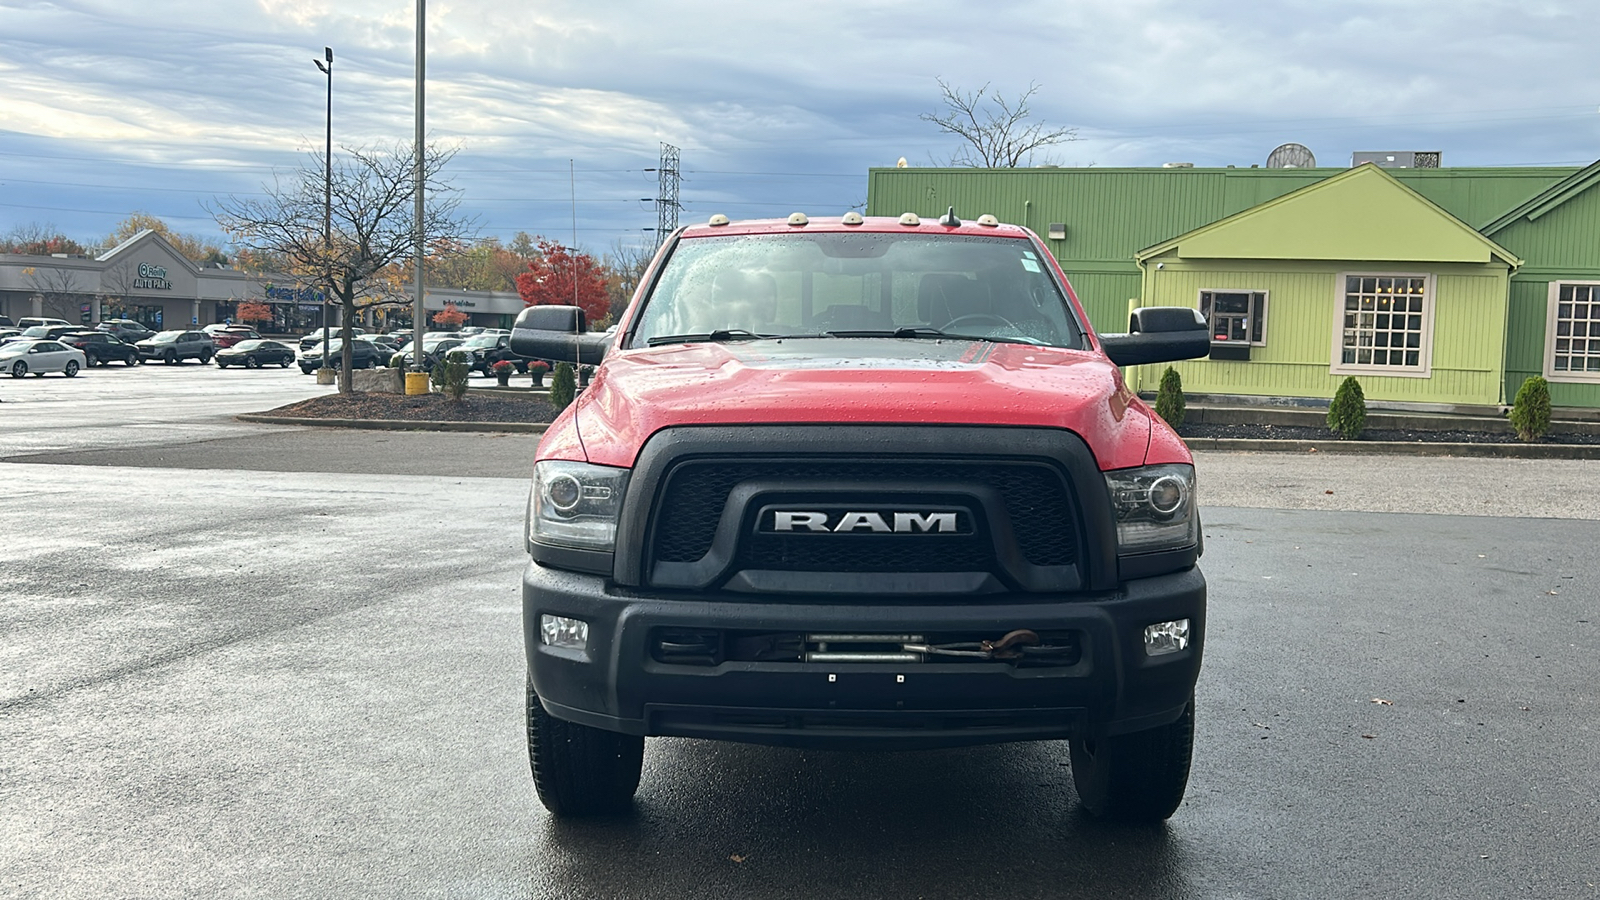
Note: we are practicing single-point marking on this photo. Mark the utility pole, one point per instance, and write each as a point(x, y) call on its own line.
point(667, 205)
point(418, 315)
point(327, 212)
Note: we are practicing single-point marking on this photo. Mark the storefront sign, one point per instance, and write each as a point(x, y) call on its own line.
point(152, 278)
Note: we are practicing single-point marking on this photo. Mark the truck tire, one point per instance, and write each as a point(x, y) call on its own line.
point(578, 770)
point(1135, 778)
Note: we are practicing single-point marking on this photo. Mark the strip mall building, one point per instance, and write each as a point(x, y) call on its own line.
point(146, 280)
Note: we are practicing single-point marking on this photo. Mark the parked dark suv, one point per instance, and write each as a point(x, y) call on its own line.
point(100, 347)
point(176, 346)
point(129, 331)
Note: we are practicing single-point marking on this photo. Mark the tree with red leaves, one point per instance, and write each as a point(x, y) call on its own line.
point(449, 317)
point(255, 312)
point(561, 276)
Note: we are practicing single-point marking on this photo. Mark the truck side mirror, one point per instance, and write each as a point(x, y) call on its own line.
point(558, 333)
point(1159, 334)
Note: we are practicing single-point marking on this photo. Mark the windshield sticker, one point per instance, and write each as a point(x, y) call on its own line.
point(1030, 265)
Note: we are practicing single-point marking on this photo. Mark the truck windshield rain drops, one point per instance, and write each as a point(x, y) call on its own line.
point(861, 483)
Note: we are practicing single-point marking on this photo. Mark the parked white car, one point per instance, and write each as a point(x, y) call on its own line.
point(21, 357)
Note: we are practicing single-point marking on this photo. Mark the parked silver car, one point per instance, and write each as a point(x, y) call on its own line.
point(176, 346)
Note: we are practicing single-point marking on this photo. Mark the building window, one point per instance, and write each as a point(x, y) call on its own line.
point(1572, 338)
point(1385, 325)
point(1236, 315)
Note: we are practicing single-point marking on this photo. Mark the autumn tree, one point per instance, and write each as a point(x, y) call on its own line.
point(35, 239)
point(251, 311)
point(196, 249)
point(450, 317)
point(562, 276)
point(367, 261)
point(997, 131)
point(483, 266)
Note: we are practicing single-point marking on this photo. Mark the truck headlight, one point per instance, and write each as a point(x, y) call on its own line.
point(1154, 507)
point(575, 504)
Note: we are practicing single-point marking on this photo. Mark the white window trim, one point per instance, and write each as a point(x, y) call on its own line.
point(1424, 370)
point(1550, 373)
point(1266, 308)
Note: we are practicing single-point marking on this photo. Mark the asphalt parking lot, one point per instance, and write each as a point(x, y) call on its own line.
point(287, 662)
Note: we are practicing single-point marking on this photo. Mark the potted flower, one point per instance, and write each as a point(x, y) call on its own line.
point(538, 369)
point(502, 371)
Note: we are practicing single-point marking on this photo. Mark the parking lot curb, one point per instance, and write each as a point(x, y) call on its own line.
point(397, 424)
point(1400, 448)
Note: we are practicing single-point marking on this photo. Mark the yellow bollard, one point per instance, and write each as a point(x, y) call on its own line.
point(416, 383)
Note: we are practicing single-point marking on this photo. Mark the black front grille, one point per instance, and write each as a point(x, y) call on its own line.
point(1035, 497)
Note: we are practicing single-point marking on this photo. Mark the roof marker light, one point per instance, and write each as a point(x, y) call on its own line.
point(852, 218)
point(988, 221)
point(716, 220)
point(909, 219)
point(798, 219)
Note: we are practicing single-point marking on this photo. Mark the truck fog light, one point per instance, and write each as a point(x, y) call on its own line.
point(560, 631)
point(1166, 637)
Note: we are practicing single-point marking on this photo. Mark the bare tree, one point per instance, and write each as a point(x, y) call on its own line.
point(625, 266)
point(367, 262)
point(60, 288)
point(997, 130)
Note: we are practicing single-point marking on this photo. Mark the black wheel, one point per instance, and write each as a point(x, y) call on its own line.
point(70, 369)
point(578, 770)
point(205, 358)
point(19, 369)
point(250, 362)
point(169, 357)
point(1137, 777)
point(283, 363)
point(132, 360)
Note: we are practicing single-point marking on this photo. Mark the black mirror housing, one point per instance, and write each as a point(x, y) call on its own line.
point(1159, 334)
point(559, 334)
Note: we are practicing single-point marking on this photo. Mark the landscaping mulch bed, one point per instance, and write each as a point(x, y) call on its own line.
point(1313, 433)
point(420, 408)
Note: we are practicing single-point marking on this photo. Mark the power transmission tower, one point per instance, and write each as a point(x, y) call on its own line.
point(667, 205)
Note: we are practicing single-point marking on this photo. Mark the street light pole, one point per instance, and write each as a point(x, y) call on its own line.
point(418, 319)
point(327, 203)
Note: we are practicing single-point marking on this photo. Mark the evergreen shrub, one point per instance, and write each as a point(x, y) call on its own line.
point(563, 386)
point(1169, 398)
point(1530, 411)
point(1347, 414)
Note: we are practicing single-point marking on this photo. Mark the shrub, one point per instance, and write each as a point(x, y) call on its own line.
point(1347, 414)
point(563, 386)
point(397, 361)
point(1169, 398)
point(1530, 411)
point(450, 374)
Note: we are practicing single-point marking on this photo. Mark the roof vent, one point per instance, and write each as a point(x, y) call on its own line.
point(909, 219)
point(798, 219)
point(718, 219)
point(1177, 165)
point(852, 218)
point(988, 221)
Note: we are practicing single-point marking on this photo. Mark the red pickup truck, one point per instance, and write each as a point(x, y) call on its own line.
point(862, 483)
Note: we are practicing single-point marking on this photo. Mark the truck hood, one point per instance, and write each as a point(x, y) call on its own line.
point(856, 381)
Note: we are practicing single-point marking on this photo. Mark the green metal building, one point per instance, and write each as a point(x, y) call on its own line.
point(1430, 285)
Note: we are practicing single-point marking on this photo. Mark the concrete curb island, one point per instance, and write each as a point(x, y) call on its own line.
point(397, 424)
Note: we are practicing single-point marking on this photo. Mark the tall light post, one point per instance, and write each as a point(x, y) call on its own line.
point(327, 202)
point(418, 315)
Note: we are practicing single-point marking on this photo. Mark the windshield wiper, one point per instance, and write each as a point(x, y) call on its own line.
point(908, 331)
point(716, 337)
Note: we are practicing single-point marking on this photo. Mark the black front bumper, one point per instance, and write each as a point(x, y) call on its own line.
point(615, 683)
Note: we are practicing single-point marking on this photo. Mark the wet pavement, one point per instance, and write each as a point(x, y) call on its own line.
point(244, 680)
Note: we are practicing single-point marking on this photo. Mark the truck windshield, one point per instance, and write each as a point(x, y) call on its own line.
point(859, 284)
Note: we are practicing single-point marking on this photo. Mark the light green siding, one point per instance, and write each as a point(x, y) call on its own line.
point(1301, 300)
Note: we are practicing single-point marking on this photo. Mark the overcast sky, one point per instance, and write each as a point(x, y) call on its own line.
point(160, 105)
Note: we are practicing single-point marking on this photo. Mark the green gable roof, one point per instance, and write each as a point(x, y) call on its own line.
point(1547, 199)
point(1359, 214)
